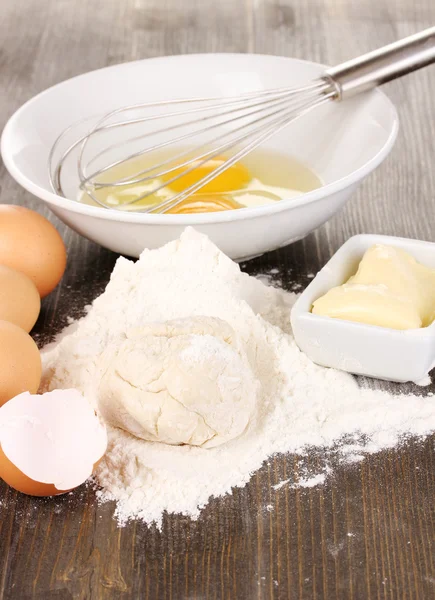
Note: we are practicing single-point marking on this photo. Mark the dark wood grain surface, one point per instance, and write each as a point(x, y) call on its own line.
point(369, 532)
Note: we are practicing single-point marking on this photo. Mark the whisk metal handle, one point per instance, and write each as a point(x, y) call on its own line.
point(382, 65)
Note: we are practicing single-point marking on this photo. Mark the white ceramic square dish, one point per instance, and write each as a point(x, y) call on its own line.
point(362, 349)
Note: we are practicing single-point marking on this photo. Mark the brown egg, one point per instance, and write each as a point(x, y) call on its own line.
point(20, 362)
point(19, 298)
point(31, 244)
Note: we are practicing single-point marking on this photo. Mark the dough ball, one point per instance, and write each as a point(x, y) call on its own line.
point(186, 381)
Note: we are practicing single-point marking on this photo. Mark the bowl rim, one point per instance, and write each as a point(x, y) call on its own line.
point(200, 218)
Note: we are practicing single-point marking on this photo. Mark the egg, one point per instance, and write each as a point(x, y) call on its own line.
point(32, 245)
point(20, 362)
point(233, 178)
point(265, 178)
point(49, 443)
point(19, 299)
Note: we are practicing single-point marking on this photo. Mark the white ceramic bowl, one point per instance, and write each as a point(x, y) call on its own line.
point(343, 143)
point(358, 348)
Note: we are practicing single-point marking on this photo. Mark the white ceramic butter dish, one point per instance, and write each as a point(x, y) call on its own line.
point(358, 348)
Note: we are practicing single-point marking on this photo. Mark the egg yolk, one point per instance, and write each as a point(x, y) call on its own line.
point(234, 178)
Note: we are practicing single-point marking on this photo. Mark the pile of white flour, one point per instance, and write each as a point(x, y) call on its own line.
point(299, 404)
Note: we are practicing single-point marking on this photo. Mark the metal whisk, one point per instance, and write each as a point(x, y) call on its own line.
point(218, 126)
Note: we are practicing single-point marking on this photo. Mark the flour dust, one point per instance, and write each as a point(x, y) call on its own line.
point(299, 405)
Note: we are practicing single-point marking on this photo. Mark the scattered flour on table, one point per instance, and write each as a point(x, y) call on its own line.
point(271, 278)
point(305, 480)
point(281, 484)
point(312, 481)
point(299, 405)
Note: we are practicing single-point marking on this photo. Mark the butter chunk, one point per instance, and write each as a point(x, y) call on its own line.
point(390, 289)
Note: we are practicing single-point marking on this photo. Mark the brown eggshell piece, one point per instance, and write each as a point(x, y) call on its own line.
point(20, 362)
point(19, 298)
point(12, 475)
point(20, 482)
point(31, 244)
point(50, 443)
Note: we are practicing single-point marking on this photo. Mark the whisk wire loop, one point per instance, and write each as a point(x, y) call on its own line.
point(173, 161)
point(250, 118)
point(279, 99)
point(231, 125)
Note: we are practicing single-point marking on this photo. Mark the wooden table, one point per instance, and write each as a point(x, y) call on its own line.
point(369, 532)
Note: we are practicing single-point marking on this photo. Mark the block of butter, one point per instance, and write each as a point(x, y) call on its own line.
point(390, 289)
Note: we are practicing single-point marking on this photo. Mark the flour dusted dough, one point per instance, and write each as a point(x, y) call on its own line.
point(185, 381)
